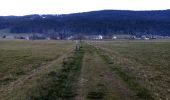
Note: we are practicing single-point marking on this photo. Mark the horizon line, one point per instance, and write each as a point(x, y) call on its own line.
point(84, 12)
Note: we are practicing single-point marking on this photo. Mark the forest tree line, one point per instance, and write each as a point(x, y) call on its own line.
point(105, 22)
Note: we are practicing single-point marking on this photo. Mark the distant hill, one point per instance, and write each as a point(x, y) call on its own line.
point(105, 22)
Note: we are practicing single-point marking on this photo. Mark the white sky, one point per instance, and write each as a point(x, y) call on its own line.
point(25, 7)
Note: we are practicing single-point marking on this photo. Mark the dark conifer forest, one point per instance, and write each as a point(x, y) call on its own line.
point(105, 22)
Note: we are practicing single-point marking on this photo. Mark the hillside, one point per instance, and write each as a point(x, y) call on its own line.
point(105, 22)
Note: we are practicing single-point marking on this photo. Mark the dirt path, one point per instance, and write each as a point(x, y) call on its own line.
point(97, 81)
point(31, 76)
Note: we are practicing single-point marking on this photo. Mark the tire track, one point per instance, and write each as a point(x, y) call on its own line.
point(5, 90)
point(97, 81)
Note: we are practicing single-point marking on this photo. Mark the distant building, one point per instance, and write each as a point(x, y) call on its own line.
point(94, 37)
point(136, 37)
point(9, 37)
point(70, 38)
point(97, 37)
point(100, 37)
point(48, 38)
point(144, 37)
point(27, 38)
point(152, 37)
point(114, 37)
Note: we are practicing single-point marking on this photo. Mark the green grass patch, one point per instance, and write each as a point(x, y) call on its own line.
point(62, 84)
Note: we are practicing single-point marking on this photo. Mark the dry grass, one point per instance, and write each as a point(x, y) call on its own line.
point(98, 82)
point(61, 84)
point(38, 68)
point(20, 58)
point(148, 61)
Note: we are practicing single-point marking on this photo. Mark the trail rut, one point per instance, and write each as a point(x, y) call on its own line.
point(5, 90)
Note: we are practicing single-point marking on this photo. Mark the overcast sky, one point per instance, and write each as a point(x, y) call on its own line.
point(25, 7)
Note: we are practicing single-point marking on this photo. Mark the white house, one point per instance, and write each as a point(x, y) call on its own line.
point(27, 38)
point(70, 38)
point(114, 37)
point(94, 37)
point(145, 38)
point(100, 37)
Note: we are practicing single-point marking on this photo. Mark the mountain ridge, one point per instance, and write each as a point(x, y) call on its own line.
point(103, 22)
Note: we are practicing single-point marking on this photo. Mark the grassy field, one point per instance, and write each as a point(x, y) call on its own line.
point(98, 82)
point(19, 59)
point(148, 62)
point(100, 70)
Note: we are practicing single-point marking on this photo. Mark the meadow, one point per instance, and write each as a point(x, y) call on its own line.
point(21, 58)
point(148, 62)
point(100, 70)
